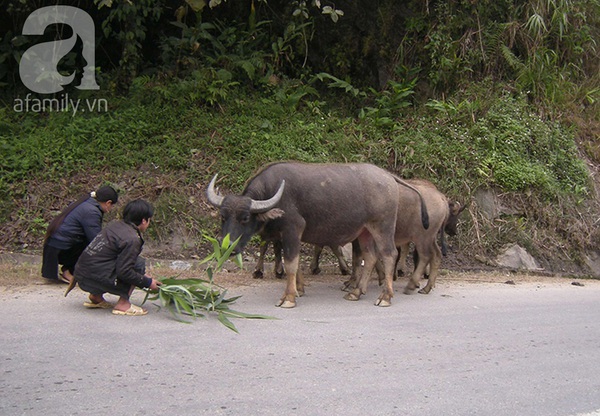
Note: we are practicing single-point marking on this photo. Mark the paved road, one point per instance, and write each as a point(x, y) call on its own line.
point(466, 349)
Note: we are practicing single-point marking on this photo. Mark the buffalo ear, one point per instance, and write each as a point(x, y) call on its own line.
point(270, 215)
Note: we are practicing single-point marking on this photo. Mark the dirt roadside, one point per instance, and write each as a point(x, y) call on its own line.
point(19, 272)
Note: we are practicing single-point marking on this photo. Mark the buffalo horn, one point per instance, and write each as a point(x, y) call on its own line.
point(212, 195)
point(257, 207)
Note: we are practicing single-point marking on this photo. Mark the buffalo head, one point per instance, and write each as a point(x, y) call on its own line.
point(242, 216)
point(455, 209)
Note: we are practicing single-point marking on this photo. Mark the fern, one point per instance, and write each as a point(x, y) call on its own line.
point(513, 61)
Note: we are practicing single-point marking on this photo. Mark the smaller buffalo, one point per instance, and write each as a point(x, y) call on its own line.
point(443, 215)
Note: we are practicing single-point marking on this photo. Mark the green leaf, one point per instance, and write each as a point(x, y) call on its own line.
point(225, 321)
point(188, 297)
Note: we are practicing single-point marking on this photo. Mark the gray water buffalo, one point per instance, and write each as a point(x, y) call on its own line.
point(320, 204)
point(443, 216)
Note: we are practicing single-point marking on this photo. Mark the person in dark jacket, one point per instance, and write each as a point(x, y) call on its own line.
point(69, 233)
point(111, 263)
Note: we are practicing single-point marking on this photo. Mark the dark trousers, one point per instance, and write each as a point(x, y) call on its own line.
point(52, 257)
point(120, 288)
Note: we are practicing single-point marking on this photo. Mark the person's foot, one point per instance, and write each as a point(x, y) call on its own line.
point(101, 305)
point(98, 302)
point(133, 310)
point(65, 276)
point(96, 298)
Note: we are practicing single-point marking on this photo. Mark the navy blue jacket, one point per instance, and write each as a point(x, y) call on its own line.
point(79, 227)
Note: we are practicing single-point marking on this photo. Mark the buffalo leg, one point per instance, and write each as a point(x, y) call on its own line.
point(337, 251)
point(279, 271)
point(295, 282)
point(380, 272)
point(288, 300)
point(387, 252)
point(426, 253)
point(362, 272)
point(350, 284)
point(434, 268)
point(388, 256)
point(260, 264)
point(314, 264)
point(371, 251)
point(404, 249)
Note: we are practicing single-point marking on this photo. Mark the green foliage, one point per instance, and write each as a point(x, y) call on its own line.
point(234, 49)
point(202, 87)
point(389, 103)
point(167, 138)
point(526, 152)
point(508, 147)
point(196, 297)
point(171, 127)
point(333, 82)
point(127, 23)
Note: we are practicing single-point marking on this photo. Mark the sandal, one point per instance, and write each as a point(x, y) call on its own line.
point(133, 310)
point(101, 305)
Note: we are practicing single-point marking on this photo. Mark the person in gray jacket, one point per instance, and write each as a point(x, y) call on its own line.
point(111, 263)
point(72, 230)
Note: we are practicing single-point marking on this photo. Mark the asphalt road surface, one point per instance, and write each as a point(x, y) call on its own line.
point(468, 348)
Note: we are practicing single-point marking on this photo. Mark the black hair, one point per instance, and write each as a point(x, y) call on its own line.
point(107, 193)
point(137, 210)
point(103, 194)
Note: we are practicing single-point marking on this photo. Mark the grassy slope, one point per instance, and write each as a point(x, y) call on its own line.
point(166, 148)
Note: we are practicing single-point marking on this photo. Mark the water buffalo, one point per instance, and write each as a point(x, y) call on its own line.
point(409, 229)
point(449, 227)
point(321, 204)
point(425, 241)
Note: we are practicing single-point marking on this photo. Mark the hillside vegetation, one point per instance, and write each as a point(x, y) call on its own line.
point(515, 112)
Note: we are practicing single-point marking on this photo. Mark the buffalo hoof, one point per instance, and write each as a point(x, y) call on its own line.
point(383, 303)
point(286, 304)
point(409, 290)
point(425, 291)
point(257, 274)
point(351, 296)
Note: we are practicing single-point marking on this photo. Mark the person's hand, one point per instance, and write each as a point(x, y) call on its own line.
point(155, 284)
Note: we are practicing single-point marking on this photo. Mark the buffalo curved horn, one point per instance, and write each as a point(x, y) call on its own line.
point(257, 207)
point(212, 195)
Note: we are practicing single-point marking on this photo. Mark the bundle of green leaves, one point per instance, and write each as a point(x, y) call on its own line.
point(196, 297)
